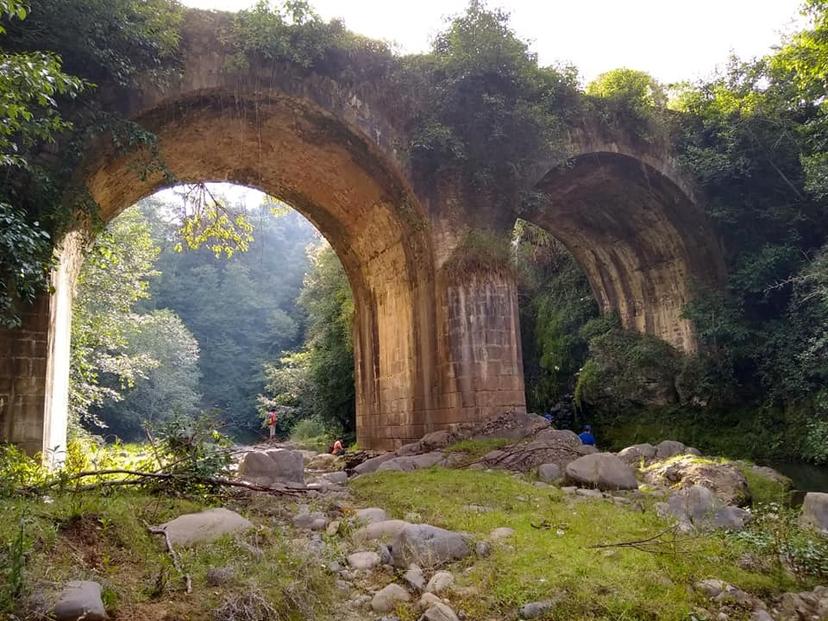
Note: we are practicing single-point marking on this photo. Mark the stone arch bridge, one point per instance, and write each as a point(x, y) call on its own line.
point(430, 350)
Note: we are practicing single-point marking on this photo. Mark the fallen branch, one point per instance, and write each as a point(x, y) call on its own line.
point(142, 477)
point(650, 544)
point(157, 530)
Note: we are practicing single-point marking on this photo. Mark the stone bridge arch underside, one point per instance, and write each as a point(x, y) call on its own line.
point(430, 351)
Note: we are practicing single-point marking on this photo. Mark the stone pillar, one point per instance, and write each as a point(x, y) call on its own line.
point(481, 364)
point(23, 362)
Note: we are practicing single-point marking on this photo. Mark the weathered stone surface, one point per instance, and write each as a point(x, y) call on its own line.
point(337, 478)
point(549, 473)
point(503, 532)
point(427, 599)
point(371, 515)
point(371, 465)
point(439, 582)
point(428, 546)
point(697, 507)
point(549, 446)
point(414, 578)
point(386, 599)
point(256, 464)
point(324, 461)
point(533, 610)
point(804, 606)
point(602, 470)
point(412, 462)
point(511, 426)
point(80, 600)
point(290, 466)
point(311, 521)
point(634, 454)
point(439, 612)
point(363, 560)
point(204, 527)
point(669, 448)
point(815, 512)
point(386, 530)
point(723, 479)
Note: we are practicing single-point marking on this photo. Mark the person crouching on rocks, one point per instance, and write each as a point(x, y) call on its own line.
point(337, 448)
point(586, 436)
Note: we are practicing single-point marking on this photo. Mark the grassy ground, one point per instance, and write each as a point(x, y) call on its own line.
point(551, 554)
point(104, 538)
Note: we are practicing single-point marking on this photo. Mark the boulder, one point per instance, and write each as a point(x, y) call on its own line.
point(602, 470)
point(637, 453)
point(412, 462)
point(439, 612)
point(723, 479)
point(80, 599)
point(549, 446)
point(371, 465)
point(336, 478)
point(256, 465)
point(324, 461)
point(815, 512)
point(428, 546)
point(510, 426)
point(363, 560)
point(806, 605)
point(289, 465)
point(205, 526)
point(427, 599)
point(386, 599)
point(439, 582)
point(697, 507)
point(549, 473)
point(669, 448)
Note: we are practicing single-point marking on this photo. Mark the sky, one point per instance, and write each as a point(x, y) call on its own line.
point(672, 40)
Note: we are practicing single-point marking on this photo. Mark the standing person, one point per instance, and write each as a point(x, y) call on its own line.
point(271, 420)
point(586, 436)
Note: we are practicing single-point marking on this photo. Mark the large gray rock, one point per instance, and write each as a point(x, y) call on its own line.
point(311, 521)
point(428, 546)
point(669, 448)
point(80, 600)
point(725, 480)
point(602, 470)
point(386, 599)
point(510, 426)
point(363, 560)
point(371, 465)
point(290, 466)
point(549, 473)
point(265, 467)
point(204, 527)
point(636, 453)
point(815, 512)
point(387, 530)
point(806, 605)
point(697, 507)
point(549, 446)
point(412, 462)
point(371, 515)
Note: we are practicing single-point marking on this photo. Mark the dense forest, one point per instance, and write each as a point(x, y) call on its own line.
point(753, 138)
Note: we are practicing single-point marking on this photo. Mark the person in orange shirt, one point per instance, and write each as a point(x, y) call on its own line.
point(337, 448)
point(271, 420)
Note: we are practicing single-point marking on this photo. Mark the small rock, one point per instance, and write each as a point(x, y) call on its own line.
point(439, 582)
point(387, 598)
point(342, 585)
point(503, 532)
point(636, 453)
point(414, 578)
point(439, 612)
point(371, 515)
point(333, 528)
point(334, 567)
point(815, 512)
point(427, 599)
point(385, 531)
point(760, 615)
point(711, 587)
point(311, 521)
point(337, 478)
point(549, 473)
point(384, 554)
point(569, 489)
point(216, 576)
point(80, 600)
point(482, 549)
point(360, 601)
point(533, 610)
point(363, 560)
point(589, 493)
point(205, 526)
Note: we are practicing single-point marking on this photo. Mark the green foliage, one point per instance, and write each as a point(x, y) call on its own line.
point(815, 442)
point(632, 99)
point(474, 449)
point(18, 470)
point(208, 221)
point(478, 253)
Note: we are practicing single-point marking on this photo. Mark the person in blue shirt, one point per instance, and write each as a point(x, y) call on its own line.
point(586, 436)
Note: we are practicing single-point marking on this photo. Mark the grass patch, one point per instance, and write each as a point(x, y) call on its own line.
point(550, 555)
point(764, 490)
point(477, 448)
point(104, 538)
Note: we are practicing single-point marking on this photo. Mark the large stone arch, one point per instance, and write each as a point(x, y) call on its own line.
point(634, 224)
